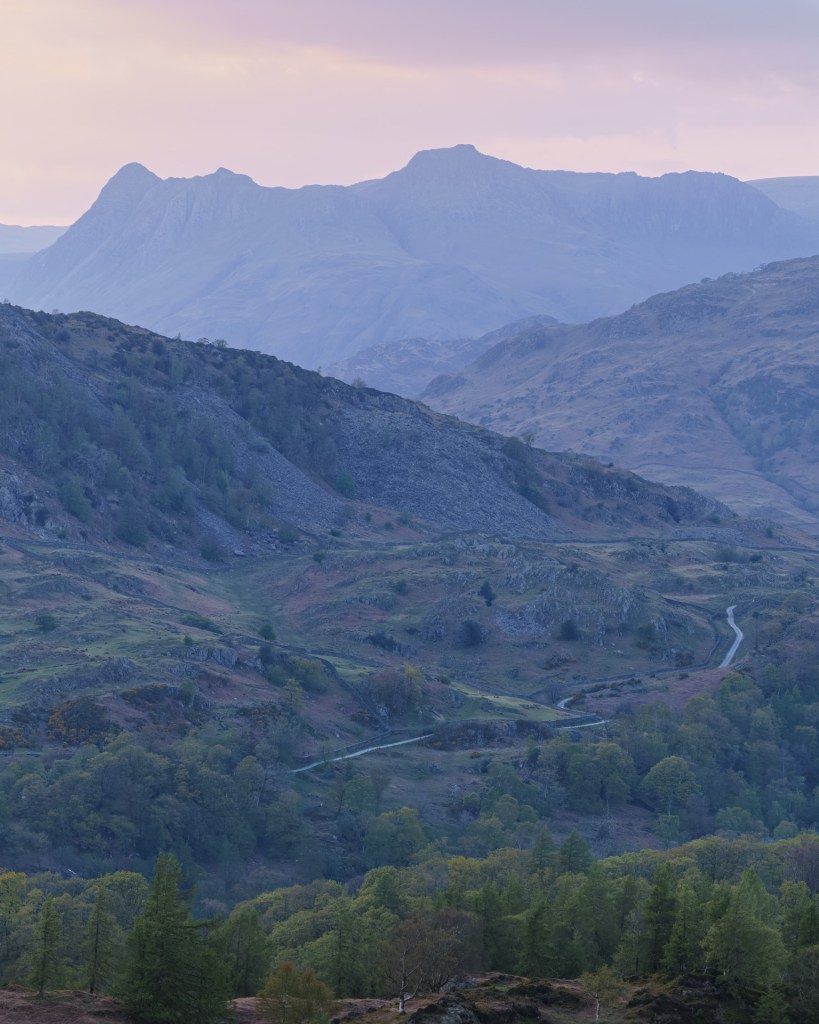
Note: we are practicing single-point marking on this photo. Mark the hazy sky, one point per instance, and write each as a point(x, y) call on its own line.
point(299, 91)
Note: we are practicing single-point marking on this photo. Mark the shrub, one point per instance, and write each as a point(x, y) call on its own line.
point(45, 622)
point(470, 633)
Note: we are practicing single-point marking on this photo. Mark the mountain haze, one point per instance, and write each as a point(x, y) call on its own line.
point(715, 386)
point(453, 245)
point(798, 194)
point(16, 239)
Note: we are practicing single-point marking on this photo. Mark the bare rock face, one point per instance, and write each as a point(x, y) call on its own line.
point(451, 1009)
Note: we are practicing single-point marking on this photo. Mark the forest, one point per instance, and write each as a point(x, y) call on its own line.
point(742, 913)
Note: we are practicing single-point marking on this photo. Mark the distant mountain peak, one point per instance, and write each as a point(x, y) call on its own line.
point(458, 157)
point(133, 174)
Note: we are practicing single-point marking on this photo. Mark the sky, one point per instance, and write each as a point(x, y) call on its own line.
point(294, 92)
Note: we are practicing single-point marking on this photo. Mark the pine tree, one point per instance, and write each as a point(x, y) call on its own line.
point(103, 943)
point(543, 854)
point(683, 952)
point(47, 961)
point(172, 972)
point(575, 855)
point(658, 917)
point(748, 953)
point(537, 952)
point(245, 944)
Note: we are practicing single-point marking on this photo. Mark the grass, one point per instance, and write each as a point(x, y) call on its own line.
point(111, 606)
point(483, 705)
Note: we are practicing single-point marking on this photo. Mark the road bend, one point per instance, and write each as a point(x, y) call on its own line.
point(729, 657)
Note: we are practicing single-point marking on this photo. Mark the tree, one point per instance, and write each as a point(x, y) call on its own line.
point(425, 951)
point(291, 996)
point(103, 939)
point(658, 916)
point(243, 939)
point(747, 952)
point(487, 593)
point(603, 986)
point(172, 971)
point(683, 952)
point(537, 954)
point(574, 856)
point(669, 784)
point(12, 888)
point(47, 960)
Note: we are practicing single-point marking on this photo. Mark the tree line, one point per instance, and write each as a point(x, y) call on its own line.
point(742, 912)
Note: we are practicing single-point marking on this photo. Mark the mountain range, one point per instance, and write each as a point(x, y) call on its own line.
point(453, 245)
point(20, 240)
point(715, 385)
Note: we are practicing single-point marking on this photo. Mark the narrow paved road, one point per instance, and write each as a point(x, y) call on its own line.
point(358, 753)
point(562, 704)
point(729, 657)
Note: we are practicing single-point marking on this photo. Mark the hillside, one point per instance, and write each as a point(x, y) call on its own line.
point(714, 386)
point(798, 194)
point(406, 367)
point(453, 245)
point(216, 568)
point(133, 436)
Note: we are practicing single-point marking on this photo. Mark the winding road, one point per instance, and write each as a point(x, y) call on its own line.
point(561, 704)
point(729, 657)
point(358, 753)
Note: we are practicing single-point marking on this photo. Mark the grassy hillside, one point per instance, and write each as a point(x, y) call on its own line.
point(218, 570)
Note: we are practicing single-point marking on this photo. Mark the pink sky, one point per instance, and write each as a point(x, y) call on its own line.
point(342, 90)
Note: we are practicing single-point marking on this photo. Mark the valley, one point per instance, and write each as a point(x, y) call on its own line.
point(370, 671)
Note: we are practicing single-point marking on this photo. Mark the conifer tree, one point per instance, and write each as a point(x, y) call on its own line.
point(245, 945)
point(658, 917)
point(172, 972)
point(47, 961)
point(748, 953)
point(103, 941)
point(575, 855)
point(537, 951)
point(683, 951)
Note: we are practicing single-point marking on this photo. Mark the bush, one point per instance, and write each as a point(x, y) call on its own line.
point(74, 500)
point(210, 548)
point(568, 631)
point(346, 485)
point(199, 621)
point(45, 622)
point(470, 633)
point(130, 527)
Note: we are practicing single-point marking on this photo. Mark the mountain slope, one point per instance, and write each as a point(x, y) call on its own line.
point(715, 386)
point(798, 194)
point(406, 367)
point(453, 245)
point(112, 431)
